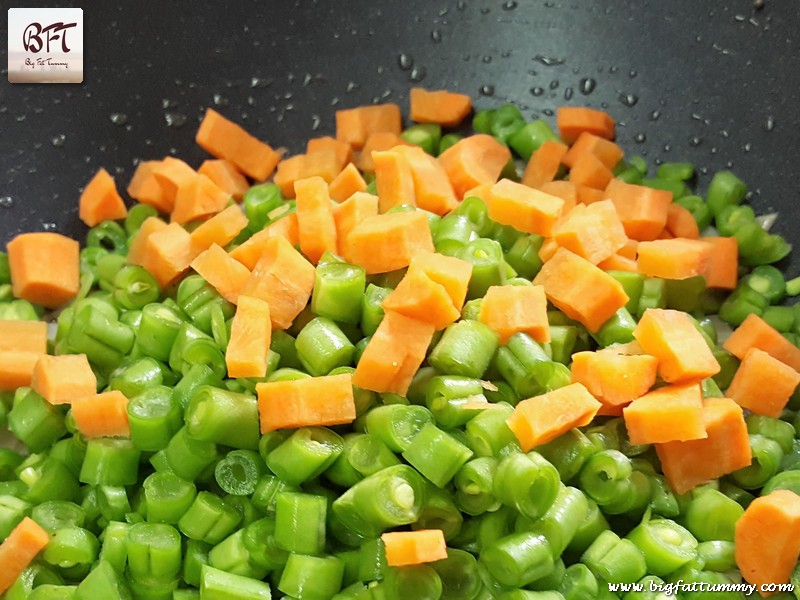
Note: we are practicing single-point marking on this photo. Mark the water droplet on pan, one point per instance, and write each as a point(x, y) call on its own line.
point(769, 124)
point(548, 61)
point(537, 91)
point(6, 202)
point(587, 85)
point(118, 118)
point(486, 90)
point(568, 93)
point(510, 5)
point(417, 74)
point(640, 138)
point(404, 61)
point(695, 141)
point(628, 99)
point(436, 36)
point(59, 140)
point(174, 119)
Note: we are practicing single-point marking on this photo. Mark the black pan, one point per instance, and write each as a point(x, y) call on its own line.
point(715, 82)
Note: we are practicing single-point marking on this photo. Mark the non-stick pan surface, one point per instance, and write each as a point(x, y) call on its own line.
point(715, 82)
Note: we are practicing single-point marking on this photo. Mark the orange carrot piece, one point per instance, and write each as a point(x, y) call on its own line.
point(226, 177)
point(473, 161)
point(251, 334)
point(168, 253)
point(671, 337)
point(63, 379)
point(755, 332)
point(44, 268)
point(377, 142)
point(414, 547)
point(100, 200)
point(225, 274)
point(630, 249)
point(313, 401)
point(316, 228)
point(610, 410)
point(198, 198)
point(767, 540)
point(417, 296)
point(322, 163)
point(351, 212)
point(544, 163)
point(16, 369)
point(678, 258)
point(572, 121)
point(19, 549)
point(388, 242)
point(23, 336)
point(145, 188)
point(289, 170)
point(667, 414)
point(453, 273)
point(283, 278)
point(642, 210)
point(722, 269)
point(342, 151)
point(589, 195)
point(524, 208)
point(137, 250)
point(251, 250)
point(543, 418)
point(432, 189)
point(592, 231)
point(354, 125)
point(170, 174)
point(510, 309)
point(481, 191)
point(617, 262)
point(220, 229)
point(548, 248)
point(347, 182)
point(580, 290)
point(608, 152)
point(590, 171)
point(447, 109)
point(102, 415)
point(393, 354)
point(763, 384)
point(223, 138)
point(681, 223)
point(725, 449)
point(393, 180)
point(614, 379)
point(565, 190)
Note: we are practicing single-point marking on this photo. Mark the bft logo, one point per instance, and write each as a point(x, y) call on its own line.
point(45, 45)
point(32, 36)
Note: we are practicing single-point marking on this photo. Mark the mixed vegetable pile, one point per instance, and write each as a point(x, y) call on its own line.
point(393, 368)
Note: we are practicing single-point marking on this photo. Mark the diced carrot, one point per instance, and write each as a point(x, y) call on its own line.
point(524, 208)
point(755, 332)
point(316, 228)
point(614, 379)
point(722, 269)
point(251, 334)
point(451, 272)
point(23, 336)
point(681, 223)
point(284, 279)
point(610, 410)
point(137, 249)
point(290, 169)
point(481, 191)
point(44, 268)
point(608, 152)
point(16, 369)
point(572, 121)
point(678, 258)
point(642, 210)
point(322, 163)
point(510, 309)
point(346, 183)
point(414, 547)
point(617, 262)
point(665, 235)
point(224, 273)
point(473, 161)
point(667, 414)
point(671, 337)
point(198, 198)
point(168, 253)
point(440, 106)
point(417, 296)
point(763, 384)
point(251, 250)
point(725, 449)
point(223, 138)
point(581, 290)
point(170, 174)
point(226, 177)
point(393, 180)
point(351, 212)
point(354, 125)
point(63, 379)
point(767, 540)
point(589, 195)
point(19, 549)
point(313, 401)
point(432, 189)
point(393, 354)
point(629, 250)
point(379, 141)
point(543, 418)
point(342, 151)
point(548, 249)
point(100, 200)
point(565, 190)
point(592, 231)
point(144, 187)
point(102, 415)
point(220, 229)
point(388, 242)
point(590, 171)
point(543, 164)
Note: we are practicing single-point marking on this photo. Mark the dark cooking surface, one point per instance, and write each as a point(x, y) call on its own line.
point(710, 82)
